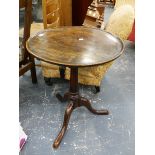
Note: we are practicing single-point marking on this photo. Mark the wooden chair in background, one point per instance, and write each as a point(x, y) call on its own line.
point(26, 61)
point(51, 13)
point(51, 19)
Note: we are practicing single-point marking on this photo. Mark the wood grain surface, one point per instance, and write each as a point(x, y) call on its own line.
point(76, 46)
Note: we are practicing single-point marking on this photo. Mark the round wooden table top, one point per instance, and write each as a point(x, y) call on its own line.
point(75, 46)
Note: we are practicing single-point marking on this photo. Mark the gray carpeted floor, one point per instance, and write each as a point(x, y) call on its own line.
point(41, 114)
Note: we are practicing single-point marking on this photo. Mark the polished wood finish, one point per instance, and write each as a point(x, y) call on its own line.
point(75, 46)
point(61, 134)
point(27, 62)
point(75, 101)
point(74, 80)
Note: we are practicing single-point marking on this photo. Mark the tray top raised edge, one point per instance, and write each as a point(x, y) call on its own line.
point(75, 46)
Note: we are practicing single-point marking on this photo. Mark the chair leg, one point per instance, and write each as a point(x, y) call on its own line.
point(33, 70)
point(33, 75)
point(48, 81)
point(62, 72)
point(97, 88)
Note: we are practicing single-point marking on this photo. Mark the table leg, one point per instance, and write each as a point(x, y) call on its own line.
point(76, 101)
point(63, 98)
point(67, 115)
point(85, 102)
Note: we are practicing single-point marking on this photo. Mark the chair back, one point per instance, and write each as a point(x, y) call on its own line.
point(27, 61)
point(51, 13)
point(27, 4)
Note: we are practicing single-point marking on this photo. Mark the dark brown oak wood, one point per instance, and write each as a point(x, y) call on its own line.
point(67, 115)
point(75, 47)
point(76, 101)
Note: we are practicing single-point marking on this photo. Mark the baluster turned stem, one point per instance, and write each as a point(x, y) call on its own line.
point(74, 80)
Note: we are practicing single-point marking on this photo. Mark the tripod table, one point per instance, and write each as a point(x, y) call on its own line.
point(74, 47)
